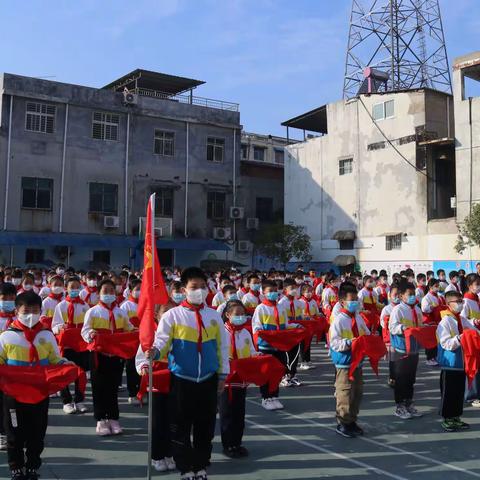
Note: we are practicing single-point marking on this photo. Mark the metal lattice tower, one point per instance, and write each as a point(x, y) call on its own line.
point(403, 38)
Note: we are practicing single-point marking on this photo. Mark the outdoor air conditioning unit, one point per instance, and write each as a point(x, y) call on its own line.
point(129, 98)
point(244, 246)
point(162, 226)
point(222, 233)
point(236, 213)
point(453, 203)
point(111, 222)
point(252, 223)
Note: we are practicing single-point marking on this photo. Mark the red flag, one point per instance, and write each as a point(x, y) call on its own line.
point(153, 291)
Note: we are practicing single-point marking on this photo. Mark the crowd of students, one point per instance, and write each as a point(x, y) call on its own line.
point(208, 321)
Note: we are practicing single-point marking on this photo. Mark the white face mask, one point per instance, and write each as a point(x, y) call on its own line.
point(197, 296)
point(60, 271)
point(92, 283)
point(136, 294)
point(27, 287)
point(38, 282)
point(16, 281)
point(57, 290)
point(29, 319)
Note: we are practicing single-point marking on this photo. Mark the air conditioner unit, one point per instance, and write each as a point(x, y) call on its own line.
point(236, 212)
point(129, 98)
point(453, 203)
point(244, 246)
point(111, 222)
point(222, 233)
point(252, 223)
point(162, 226)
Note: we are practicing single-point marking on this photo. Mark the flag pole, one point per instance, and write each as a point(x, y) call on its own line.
point(150, 360)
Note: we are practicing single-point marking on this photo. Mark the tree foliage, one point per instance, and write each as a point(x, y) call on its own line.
point(281, 243)
point(470, 231)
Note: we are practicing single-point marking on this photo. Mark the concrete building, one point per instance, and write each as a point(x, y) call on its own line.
point(79, 163)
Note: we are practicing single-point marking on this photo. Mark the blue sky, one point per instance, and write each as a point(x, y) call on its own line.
point(277, 58)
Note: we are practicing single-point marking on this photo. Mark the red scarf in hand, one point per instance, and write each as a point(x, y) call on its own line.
point(71, 310)
point(200, 326)
point(470, 341)
point(425, 336)
point(111, 316)
point(90, 290)
point(123, 344)
point(276, 315)
point(9, 316)
point(370, 346)
point(161, 380)
point(283, 340)
point(30, 334)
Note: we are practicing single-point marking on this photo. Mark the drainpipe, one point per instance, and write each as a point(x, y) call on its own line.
point(234, 182)
point(62, 181)
point(187, 155)
point(471, 150)
point(127, 144)
point(7, 174)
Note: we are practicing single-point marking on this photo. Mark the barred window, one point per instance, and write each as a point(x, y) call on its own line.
point(345, 166)
point(37, 193)
point(216, 205)
point(163, 202)
point(105, 126)
point(103, 198)
point(40, 117)
point(215, 149)
point(393, 242)
point(164, 143)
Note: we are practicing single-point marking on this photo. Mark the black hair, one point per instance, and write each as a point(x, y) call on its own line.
point(269, 284)
point(176, 285)
point(472, 278)
point(374, 272)
point(331, 276)
point(394, 285)
point(228, 288)
point(451, 295)
point(404, 286)
point(440, 270)
point(134, 283)
point(73, 279)
point(279, 284)
point(345, 289)
point(383, 272)
point(430, 273)
point(289, 282)
point(421, 276)
point(366, 278)
point(432, 282)
point(107, 281)
point(29, 299)
point(229, 305)
point(192, 273)
point(7, 289)
point(28, 276)
point(453, 274)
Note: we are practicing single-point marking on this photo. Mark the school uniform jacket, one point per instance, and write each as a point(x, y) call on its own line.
point(401, 318)
point(285, 303)
point(60, 316)
point(130, 308)
point(243, 343)
point(250, 301)
point(92, 299)
point(314, 311)
point(218, 299)
point(454, 287)
point(264, 319)
point(98, 318)
point(177, 334)
point(329, 297)
point(369, 298)
point(471, 311)
point(385, 315)
point(48, 307)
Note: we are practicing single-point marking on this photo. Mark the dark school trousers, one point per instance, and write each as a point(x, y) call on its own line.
point(405, 374)
point(452, 388)
point(193, 411)
point(25, 426)
point(104, 377)
point(282, 357)
point(133, 378)
point(80, 359)
point(305, 352)
point(431, 353)
point(232, 416)
point(2, 427)
point(161, 437)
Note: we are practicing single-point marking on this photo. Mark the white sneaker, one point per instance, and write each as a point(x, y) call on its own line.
point(431, 363)
point(311, 366)
point(268, 404)
point(170, 463)
point(402, 412)
point(160, 465)
point(3, 442)
point(286, 382)
point(201, 475)
point(188, 476)
point(278, 405)
point(69, 408)
point(131, 400)
point(303, 366)
point(81, 407)
point(103, 428)
point(414, 412)
point(476, 403)
point(295, 382)
point(115, 427)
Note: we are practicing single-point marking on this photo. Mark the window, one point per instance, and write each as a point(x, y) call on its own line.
point(215, 148)
point(164, 143)
point(244, 151)
point(393, 242)
point(37, 193)
point(105, 126)
point(346, 244)
point(34, 255)
point(103, 198)
point(279, 156)
point(264, 208)
point(259, 154)
point(345, 166)
point(163, 202)
point(216, 205)
point(40, 117)
point(101, 257)
point(383, 110)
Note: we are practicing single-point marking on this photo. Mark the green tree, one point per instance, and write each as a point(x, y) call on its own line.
point(281, 243)
point(470, 231)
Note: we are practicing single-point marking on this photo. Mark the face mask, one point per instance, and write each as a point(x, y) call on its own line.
point(60, 271)
point(272, 296)
point(238, 320)
point(477, 289)
point(108, 299)
point(27, 287)
point(178, 297)
point(352, 306)
point(255, 287)
point(456, 307)
point(57, 290)
point(197, 296)
point(395, 300)
point(74, 293)
point(232, 296)
point(370, 285)
point(292, 293)
point(38, 282)
point(29, 319)
point(7, 305)
point(298, 282)
point(411, 300)
point(308, 295)
point(136, 294)
point(435, 290)
point(16, 281)
point(92, 283)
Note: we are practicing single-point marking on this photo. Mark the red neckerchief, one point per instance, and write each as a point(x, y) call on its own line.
point(370, 293)
point(57, 297)
point(383, 288)
point(111, 315)
point(90, 290)
point(459, 321)
point(255, 293)
point(244, 290)
point(276, 316)
point(120, 299)
point(9, 316)
point(133, 299)
point(232, 329)
point(355, 331)
point(30, 334)
point(292, 307)
point(414, 314)
point(457, 287)
point(472, 296)
point(441, 300)
point(71, 309)
point(200, 326)
point(424, 288)
point(307, 303)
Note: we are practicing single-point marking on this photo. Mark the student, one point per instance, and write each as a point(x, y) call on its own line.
point(367, 296)
point(382, 289)
point(394, 300)
point(330, 294)
point(38, 281)
point(450, 357)
point(232, 400)
point(28, 283)
point(422, 288)
point(26, 424)
point(268, 316)
point(106, 316)
point(55, 296)
point(344, 328)
point(218, 299)
point(251, 299)
point(405, 315)
point(229, 293)
point(70, 313)
point(90, 293)
point(443, 280)
point(453, 286)
point(45, 290)
point(462, 280)
point(430, 274)
point(244, 288)
point(199, 364)
point(17, 277)
point(310, 311)
point(176, 293)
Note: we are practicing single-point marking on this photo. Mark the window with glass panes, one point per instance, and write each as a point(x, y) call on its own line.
point(264, 208)
point(105, 126)
point(164, 143)
point(259, 154)
point(34, 255)
point(103, 198)
point(40, 117)
point(215, 149)
point(393, 242)
point(37, 193)
point(279, 156)
point(345, 166)
point(216, 205)
point(163, 202)
point(101, 257)
point(244, 151)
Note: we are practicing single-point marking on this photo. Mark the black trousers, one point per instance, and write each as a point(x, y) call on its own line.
point(452, 388)
point(25, 426)
point(282, 357)
point(161, 437)
point(405, 371)
point(232, 416)
point(391, 370)
point(293, 357)
point(193, 411)
point(80, 359)
point(2, 426)
point(104, 378)
point(133, 378)
point(431, 353)
point(305, 352)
